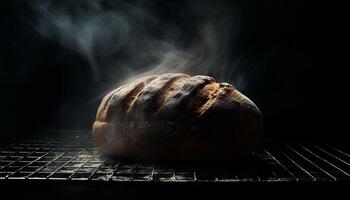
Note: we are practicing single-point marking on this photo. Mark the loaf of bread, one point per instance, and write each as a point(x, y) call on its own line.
point(176, 116)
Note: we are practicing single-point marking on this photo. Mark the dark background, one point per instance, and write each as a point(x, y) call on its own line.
point(39, 77)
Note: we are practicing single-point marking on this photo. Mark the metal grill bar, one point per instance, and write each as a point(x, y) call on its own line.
point(73, 155)
point(278, 162)
point(308, 160)
point(326, 161)
point(47, 164)
point(94, 172)
point(336, 149)
point(334, 156)
point(294, 163)
point(31, 162)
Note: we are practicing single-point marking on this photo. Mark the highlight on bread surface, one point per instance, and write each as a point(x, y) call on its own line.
point(177, 116)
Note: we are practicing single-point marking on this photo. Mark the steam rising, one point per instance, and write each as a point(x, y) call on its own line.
point(129, 39)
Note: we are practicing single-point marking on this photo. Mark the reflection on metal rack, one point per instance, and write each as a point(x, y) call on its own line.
point(73, 156)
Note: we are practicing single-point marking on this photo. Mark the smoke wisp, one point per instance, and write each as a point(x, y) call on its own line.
point(122, 39)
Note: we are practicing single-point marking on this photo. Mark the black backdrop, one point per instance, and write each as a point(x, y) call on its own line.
point(39, 77)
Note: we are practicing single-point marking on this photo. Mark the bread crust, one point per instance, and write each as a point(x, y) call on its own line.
point(177, 116)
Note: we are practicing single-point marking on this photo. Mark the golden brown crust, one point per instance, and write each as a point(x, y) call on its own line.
point(210, 92)
point(186, 99)
point(121, 98)
point(170, 91)
point(151, 97)
point(177, 116)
